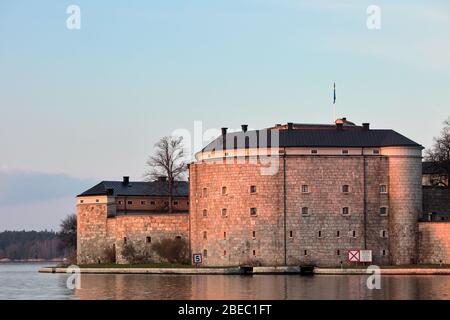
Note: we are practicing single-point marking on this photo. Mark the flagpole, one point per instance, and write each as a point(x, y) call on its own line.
point(334, 102)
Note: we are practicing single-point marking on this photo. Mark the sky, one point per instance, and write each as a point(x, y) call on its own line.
point(78, 106)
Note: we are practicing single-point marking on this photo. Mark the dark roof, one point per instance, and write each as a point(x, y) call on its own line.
point(429, 167)
point(139, 188)
point(314, 136)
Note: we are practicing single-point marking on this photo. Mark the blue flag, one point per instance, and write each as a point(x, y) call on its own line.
point(334, 97)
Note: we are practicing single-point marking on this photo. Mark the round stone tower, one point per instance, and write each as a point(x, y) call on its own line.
point(405, 202)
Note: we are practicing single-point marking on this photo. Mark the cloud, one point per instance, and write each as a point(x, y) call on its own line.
point(21, 187)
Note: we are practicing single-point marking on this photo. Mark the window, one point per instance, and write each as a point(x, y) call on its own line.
point(383, 233)
point(120, 202)
point(338, 234)
point(383, 188)
point(205, 192)
point(253, 212)
point(205, 235)
point(175, 203)
point(305, 188)
point(345, 188)
point(152, 203)
point(178, 237)
point(81, 201)
point(319, 234)
point(305, 211)
point(313, 151)
point(205, 253)
point(376, 151)
point(254, 234)
point(124, 239)
point(305, 252)
point(345, 211)
point(345, 151)
point(224, 235)
point(224, 191)
point(142, 202)
point(338, 252)
point(224, 252)
point(252, 189)
point(353, 234)
point(129, 202)
point(224, 212)
point(148, 240)
point(383, 211)
point(96, 200)
point(384, 252)
point(205, 212)
point(290, 234)
point(254, 252)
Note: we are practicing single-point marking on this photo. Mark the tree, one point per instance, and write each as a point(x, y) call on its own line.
point(168, 161)
point(68, 233)
point(439, 154)
point(172, 250)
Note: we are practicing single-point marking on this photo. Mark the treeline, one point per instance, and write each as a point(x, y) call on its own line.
point(21, 245)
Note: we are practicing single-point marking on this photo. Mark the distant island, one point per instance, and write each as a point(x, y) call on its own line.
point(30, 246)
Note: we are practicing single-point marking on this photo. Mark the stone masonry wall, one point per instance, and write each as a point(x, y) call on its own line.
point(436, 200)
point(240, 238)
point(434, 242)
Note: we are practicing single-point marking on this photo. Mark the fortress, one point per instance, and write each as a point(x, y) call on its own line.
point(291, 194)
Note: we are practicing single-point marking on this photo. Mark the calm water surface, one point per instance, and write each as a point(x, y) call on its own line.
point(22, 281)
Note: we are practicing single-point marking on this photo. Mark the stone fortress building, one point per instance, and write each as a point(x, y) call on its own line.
point(292, 194)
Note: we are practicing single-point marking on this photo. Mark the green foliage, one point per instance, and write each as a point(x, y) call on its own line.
point(172, 250)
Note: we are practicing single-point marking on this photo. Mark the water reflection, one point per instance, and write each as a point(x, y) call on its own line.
point(270, 287)
point(22, 281)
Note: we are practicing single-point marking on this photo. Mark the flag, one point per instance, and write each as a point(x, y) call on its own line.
point(334, 91)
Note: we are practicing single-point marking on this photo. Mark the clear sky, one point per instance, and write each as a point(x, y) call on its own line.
point(86, 105)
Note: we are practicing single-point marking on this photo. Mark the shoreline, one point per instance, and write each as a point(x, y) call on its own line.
point(283, 270)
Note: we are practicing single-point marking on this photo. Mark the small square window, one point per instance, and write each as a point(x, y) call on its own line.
point(224, 191)
point(124, 239)
point(252, 189)
point(224, 212)
point(205, 253)
point(175, 203)
point(384, 252)
point(96, 200)
point(376, 151)
point(224, 252)
point(383, 188)
point(81, 201)
point(305, 188)
point(253, 212)
point(129, 202)
point(305, 211)
point(305, 252)
point(148, 239)
point(345, 211)
point(152, 203)
point(142, 202)
point(383, 211)
point(205, 212)
point(338, 252)
point(120, 202)
point(178, 237)
point(313, 151)
point(345, 188)
point(254, 252)
point(345, 151)
point(205, 235)
point(254, 234)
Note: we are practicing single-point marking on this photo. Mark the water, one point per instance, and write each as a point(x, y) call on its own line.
point(22, 281)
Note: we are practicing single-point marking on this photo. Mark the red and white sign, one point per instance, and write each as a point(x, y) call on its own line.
point(353, 256)
point(197, 258)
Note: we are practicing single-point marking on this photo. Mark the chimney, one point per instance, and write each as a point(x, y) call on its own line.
point(290, 125)
point(224, 131)
point(126, 180)
point(366, 126)
point(244, 127)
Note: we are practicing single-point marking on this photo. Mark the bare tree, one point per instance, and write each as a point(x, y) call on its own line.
point(168, 161)
point(439, 154)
